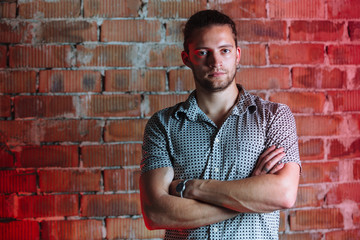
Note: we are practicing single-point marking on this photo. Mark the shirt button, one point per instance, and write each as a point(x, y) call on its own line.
point(217, 140)
point(216, 229)
point(216, 169)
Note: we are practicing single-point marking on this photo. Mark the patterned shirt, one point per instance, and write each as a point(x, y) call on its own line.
point(185, 138)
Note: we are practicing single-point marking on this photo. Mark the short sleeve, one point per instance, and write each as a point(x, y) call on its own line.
point(281, 132)
point(155, 145)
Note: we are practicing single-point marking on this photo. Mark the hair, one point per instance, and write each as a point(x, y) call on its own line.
point(206, 18)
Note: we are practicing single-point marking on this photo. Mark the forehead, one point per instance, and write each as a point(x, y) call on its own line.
point(212, 35)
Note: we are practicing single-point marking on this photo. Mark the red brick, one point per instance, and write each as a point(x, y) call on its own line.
point(260, 31)
point(7, 157)
point(296, 53)
point(15, 32)
point(344, 101)
point(110, 205)
point(356, 79)
point(5, 106)
point(312, 149)
point(48, 156)
point(263, 78)
point(248, 9)
point(343, 192)
point(301, 102)
point(17, 181)
point(316, 219)
point(174, 31)
point(125, 130)
point(181, 80)
point(105, 55)
point(344, 54)
point(174, 8)
point(46, 9)
point(319, 172)
point(158, 102)
point(111, 8)
point(45, 106)
point(121, 179)
point(282, 224)
point(356, 217)
point(343, 148)
point(69, 180)
point(343, 9)
point(47, 206)
point(72, 229)
point(7, 206)
point(318, 125)
point(3, 56)
point(70, 81)
point(310, 196)
point(111, 155)
point(304, 9)
point(354, 30)
point(253, 54)
point(46, 56)
point(20, 230)
point(19, 132)
point(7, 9)
point(316, 31)
point(17, 81)
point(135, 80)
point(70, 130)
point(351, 234)
point(301, 236)
point(76, 31)
point(356, 170)
point(164, 56)
point(318, 78)
point(123, 105)
point(128, 228)
point(34, 132)
point(123, 31)
point(353, 124)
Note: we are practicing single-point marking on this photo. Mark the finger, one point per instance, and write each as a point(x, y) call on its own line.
point(277, 168)
point(272, 162)
point(269, 157)
point(266, 152)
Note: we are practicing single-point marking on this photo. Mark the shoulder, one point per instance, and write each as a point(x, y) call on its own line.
point(166, 115)
point(270, 108)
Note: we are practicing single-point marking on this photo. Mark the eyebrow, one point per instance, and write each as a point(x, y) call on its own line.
point(222, 46)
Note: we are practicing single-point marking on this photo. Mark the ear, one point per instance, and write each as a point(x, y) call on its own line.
point(185, 58)
point(238, 55)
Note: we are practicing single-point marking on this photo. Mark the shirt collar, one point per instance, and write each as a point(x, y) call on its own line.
point(193, 112)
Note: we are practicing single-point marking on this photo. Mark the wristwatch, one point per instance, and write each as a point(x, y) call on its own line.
point(180, 188)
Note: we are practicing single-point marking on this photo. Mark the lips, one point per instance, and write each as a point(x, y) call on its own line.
point(216, 74)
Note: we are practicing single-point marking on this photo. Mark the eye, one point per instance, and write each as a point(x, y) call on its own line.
point(225, 50)
point(201, 53)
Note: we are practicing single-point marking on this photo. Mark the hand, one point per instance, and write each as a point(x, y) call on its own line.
point(268, 161)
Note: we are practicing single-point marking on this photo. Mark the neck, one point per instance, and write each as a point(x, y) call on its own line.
point(217, 105)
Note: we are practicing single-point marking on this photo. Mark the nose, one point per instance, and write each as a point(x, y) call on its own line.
point(214, 60)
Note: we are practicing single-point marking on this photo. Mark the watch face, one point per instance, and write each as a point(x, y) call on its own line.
point(180, 186)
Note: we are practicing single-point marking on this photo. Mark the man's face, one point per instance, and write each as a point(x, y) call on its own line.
point(213, 57)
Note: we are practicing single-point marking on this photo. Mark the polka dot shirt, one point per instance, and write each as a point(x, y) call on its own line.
point(184, 138)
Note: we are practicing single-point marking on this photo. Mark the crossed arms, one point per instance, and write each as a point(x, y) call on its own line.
point(209, 201)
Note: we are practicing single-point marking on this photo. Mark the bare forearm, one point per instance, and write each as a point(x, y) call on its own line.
point(162, 210)
point(172, 212)
point(264, 193)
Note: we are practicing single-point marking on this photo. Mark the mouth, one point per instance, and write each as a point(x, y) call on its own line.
point(216, 74)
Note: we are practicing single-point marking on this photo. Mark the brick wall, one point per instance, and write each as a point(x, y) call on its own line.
point(80, 78)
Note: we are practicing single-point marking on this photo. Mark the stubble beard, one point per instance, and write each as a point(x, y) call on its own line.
point(215, 85)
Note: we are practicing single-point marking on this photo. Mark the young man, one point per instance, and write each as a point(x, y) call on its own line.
point(221, 164)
